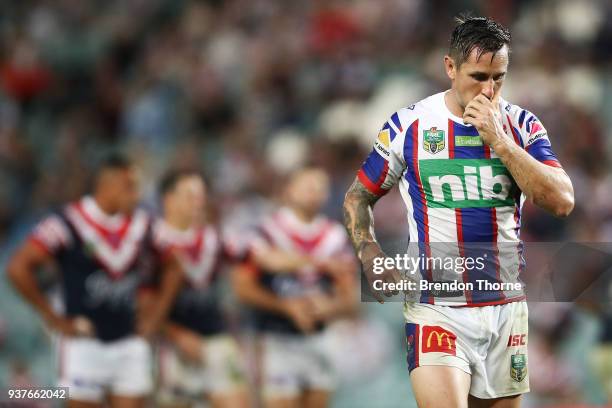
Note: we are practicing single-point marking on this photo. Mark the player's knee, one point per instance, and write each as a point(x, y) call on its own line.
point(440, 387)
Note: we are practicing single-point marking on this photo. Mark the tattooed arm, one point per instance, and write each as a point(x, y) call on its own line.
point(359, 222)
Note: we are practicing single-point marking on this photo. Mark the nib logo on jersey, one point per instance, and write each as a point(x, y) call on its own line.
point(465, 183)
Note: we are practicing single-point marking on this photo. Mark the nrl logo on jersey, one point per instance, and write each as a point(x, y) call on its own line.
point(433, 140)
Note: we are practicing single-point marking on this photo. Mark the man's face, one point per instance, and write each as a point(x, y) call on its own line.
point(187, 200)
point(484, 75)
point(309, 190)
point(123, 186)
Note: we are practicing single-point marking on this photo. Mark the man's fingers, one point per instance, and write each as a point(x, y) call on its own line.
point(378, 296)
point(495, 101)
point(471, 113)
point(83, 327)
point(474, 107)
point(470, 120)
point(482, 99)
point(389, 279)
point(397, 276)
point(476, 104)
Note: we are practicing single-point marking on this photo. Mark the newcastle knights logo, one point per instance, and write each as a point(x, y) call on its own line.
point(433, 140)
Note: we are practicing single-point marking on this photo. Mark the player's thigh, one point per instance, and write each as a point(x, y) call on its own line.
point(315, 399)
point(513, 401)
point(119, 401)
point(164, 404)
point(440, 386)
point(235, 399)
point(281, 371)
point(281, 402)
point(83, 404)
point(225, 373)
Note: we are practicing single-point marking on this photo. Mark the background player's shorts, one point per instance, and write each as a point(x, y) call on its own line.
point(601, 362)
point(221, 372)
point(488, 342)
point(91, 368)
point(291, 364)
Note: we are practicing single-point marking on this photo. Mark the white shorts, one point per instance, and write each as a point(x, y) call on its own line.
point(488, 342)
point(221, 372)
point(91, 368)
point(294, 363)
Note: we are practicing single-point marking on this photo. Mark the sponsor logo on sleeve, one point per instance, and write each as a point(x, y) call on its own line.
point(534, 137)
point(535, 130)
point(383, 143)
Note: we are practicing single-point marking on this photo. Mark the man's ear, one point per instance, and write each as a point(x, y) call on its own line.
point(450, 67)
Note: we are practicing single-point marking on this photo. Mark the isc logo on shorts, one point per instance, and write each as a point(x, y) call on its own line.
point(517, 340)
point(438, 340)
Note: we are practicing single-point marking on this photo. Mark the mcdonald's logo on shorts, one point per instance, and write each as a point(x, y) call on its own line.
point(438, 340)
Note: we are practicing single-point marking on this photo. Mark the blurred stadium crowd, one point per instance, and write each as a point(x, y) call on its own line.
point(251, 89)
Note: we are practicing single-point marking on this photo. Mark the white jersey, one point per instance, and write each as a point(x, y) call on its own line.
point(457, 191)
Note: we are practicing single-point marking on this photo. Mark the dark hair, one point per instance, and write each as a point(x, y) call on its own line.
point(172, 178)
point(476, 32)
point(113, 161)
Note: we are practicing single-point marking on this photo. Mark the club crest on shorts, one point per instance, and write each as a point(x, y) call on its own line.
point(433, 140)
point(518, 367)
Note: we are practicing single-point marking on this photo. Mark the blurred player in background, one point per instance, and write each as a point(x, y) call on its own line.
point(102, 246)
point(202, 358)
point(301, 278)
point(465, 160)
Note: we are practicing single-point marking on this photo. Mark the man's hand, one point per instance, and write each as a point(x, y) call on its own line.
point(368, 252)
point(484, 115)
point(301, 314)
point(189, 346)
point(72, 327)
point(323, 307)
point(147, 326)
point(548, 187)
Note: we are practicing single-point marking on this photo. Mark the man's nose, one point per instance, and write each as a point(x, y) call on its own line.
point(488, 89)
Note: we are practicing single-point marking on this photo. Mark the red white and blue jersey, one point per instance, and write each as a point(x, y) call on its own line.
point(200, 252)
point(321, 238)
point(102, 259)
point(456, 189)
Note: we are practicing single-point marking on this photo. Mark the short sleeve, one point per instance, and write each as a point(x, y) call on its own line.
point(535, 139)
point(51, 234)
point(385, 164)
